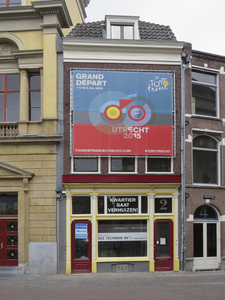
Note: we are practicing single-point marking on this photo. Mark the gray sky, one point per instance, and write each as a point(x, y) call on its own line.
point(200, 22)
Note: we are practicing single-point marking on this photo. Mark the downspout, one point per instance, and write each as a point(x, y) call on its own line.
point(185, 60)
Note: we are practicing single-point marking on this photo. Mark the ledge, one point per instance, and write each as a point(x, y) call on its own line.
point(29, 138)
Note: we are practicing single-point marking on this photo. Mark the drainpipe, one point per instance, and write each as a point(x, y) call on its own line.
point(185, 60)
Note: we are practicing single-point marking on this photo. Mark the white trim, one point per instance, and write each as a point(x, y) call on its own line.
point(122, 20)
point(171, 165)
point(94, 156)
point(121, 51)
point(207, 130)
point(204, 69)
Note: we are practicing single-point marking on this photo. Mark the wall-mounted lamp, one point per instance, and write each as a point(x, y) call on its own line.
point(59, 193)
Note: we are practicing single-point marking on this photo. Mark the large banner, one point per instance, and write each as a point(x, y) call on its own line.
point(122, 113)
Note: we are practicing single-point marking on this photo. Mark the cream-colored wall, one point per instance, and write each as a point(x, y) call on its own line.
point(74, 15)
point(41, 160)
point(31, 39)
point(49, 77)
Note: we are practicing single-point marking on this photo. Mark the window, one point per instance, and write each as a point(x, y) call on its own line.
point(205, 160)
point(81, 205)
point(86, 164)
point(122, 27)
point(122, 238)
point(122, 32)
point(157, 165)
point(4, 3)
point(34, 97)
point(204, 94)
point(9, 97)
point(122, 164)
point(8, 204)
point(125, 204)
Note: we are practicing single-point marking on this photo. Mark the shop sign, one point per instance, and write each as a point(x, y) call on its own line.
point(122, 204)
point(122, 113)
point(122, 236)
point(80, 231)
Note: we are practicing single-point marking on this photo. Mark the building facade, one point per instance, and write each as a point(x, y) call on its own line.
point(122, 146)
point(204, 115)
point(29, 134)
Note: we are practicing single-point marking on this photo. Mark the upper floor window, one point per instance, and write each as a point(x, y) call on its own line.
point(9, 97)
point(122, 27)
point(4, 3)
point(86, 164)
point(204, 94)
point(122, 32)
point(34, 97)
point(205, 160)
point(122, 164)
point(159, 165)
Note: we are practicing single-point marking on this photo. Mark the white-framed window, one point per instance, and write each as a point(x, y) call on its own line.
point(86, 164)
point(122, 204)
point(206, 160)
point(122, 27)
point(123, 164)
point(205, 93)
point(159, 165)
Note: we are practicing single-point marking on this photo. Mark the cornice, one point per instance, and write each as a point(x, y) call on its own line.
point(38, 10)
point(31, 139)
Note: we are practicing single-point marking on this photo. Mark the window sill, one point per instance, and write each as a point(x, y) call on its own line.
point(195, 116)
point(125, 173)
point(201, 185)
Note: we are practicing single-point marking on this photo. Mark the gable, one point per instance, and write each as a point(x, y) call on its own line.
point(10, 171)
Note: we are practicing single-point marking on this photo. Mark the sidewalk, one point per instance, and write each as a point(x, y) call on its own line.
point(158, 285)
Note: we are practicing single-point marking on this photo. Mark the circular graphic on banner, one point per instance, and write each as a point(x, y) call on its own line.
point(136, 113)
point(113, 112)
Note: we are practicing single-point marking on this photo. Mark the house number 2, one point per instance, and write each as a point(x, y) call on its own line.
point(164, 203)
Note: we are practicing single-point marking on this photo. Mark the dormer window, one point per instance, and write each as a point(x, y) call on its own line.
point(122, 32)
point(122, 27)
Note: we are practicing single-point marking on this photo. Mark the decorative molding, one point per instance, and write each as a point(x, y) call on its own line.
point(7, 48)
point(10, 171)
point(25, 185)
point(8, 36)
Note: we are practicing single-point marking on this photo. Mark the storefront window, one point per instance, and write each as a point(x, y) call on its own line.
point(122, 238)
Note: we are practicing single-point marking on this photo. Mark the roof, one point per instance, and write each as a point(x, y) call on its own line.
point(147, 31)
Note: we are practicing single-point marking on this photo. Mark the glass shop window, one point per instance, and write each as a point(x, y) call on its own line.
point(122, 238)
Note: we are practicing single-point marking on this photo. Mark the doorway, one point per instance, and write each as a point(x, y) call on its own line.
point(8, 242)
point(81, 256)
point(206, 238)
point(163, 245)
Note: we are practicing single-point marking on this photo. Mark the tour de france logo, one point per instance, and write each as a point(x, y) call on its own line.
point(116, 115)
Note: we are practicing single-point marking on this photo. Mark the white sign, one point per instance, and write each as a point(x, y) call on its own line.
point(122, 236)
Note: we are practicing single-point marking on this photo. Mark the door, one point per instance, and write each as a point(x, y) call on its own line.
point(205, 246)
point(163, 245)
point(81, 247)
point(8, 242)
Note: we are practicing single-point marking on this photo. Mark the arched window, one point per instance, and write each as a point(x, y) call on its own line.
point(205, 160)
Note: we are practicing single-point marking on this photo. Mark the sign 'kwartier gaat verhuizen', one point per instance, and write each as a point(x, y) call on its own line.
point(122, 113)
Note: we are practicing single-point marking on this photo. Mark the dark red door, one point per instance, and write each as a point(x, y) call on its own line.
point(163, 245)
point(81, 247)
point(8, 242)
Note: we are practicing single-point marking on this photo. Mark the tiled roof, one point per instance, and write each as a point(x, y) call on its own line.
point(147, 31)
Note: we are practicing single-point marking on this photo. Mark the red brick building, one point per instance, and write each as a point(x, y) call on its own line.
point(122, 77)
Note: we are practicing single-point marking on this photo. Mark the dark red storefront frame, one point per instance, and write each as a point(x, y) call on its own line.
point(84, 178)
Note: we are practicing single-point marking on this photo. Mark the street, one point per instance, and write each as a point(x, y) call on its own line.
point(159, 285)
